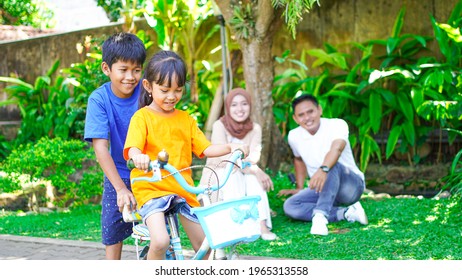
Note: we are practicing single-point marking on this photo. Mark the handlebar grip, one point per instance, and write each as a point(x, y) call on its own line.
point(240, 151)
point(130, 164)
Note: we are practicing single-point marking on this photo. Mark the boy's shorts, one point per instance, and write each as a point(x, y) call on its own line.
point(161, 204)
point(113, 227)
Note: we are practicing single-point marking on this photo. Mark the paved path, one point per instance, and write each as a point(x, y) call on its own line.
point(33, 248)
point(14, 247)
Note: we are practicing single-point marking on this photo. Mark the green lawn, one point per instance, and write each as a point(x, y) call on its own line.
point(399, 229)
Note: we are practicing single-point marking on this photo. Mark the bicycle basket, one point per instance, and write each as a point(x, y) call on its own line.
point(229, 222)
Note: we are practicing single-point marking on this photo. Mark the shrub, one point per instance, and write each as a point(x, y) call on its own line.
point(68, 164)
point(453, 181)
point(26, 12)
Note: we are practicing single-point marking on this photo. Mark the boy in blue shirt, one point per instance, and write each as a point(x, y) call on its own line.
point(109, 110)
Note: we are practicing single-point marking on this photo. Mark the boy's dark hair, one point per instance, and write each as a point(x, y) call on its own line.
point(304, 97)
point(123, 47)
point(161, 68)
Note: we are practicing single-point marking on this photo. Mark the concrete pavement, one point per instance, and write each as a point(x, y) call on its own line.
point(32, 248)
point(14, 247)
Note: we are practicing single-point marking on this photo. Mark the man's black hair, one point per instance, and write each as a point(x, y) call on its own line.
point(304, 97)
point(123, 47)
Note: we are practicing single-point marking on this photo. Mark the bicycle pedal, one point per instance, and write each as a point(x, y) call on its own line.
point(170, 254)
point(144, 253)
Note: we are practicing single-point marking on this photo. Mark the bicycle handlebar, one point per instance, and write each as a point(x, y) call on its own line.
point(162, 163)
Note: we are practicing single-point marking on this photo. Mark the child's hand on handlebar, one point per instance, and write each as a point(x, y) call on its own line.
point(141, 161)
point(243, 147)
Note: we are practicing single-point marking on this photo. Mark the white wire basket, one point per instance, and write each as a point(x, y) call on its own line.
point(229, 222)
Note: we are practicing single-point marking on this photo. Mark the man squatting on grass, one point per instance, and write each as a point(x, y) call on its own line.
point(322, 150)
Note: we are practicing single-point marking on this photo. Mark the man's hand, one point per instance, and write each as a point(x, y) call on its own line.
point(284, 192)
point(125, 197)
point(318, 180)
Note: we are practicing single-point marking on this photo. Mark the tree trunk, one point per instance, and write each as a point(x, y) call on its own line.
point(215, 111)
point(259, 75)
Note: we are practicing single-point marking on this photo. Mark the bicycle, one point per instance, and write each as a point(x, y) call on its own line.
point(237, 218)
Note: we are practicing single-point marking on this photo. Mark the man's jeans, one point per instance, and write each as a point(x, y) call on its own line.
point(342, 188)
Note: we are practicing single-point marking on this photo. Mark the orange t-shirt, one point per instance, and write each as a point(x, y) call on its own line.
point(179, 135)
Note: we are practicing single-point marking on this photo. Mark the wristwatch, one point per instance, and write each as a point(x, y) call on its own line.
point(325, 168)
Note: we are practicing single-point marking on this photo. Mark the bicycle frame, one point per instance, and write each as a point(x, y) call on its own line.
point(171, 218)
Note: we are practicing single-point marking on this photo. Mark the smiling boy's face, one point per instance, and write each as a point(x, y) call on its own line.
point(124, 75)
point(308, 115)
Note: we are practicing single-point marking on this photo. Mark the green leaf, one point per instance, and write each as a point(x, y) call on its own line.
point(395, 133)
point(365, 153)
point(391, 44)
point(53, 68)
point(8, 102)
point(375, 111)
point(417, 97)
point(409, 132)
point(299, 63)
point(453, 33)
point(336, 59)
point(340, 93)
point(442, 39)
point(42, 82)
point(406, 107)
point(399, 22)
point(456, 162)
point(16, 81)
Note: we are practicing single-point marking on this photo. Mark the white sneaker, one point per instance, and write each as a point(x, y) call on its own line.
point(355, 213)
point(234, 257)
point(319, 226)
point(269, 236)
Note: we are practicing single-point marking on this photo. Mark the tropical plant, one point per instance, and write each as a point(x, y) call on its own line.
point(88, 71)
point(128, 10)
point(393, 82)
point(287, 85)
point(5, 147)
point(185, 26)
point(453, 181)
point(68, 164)
point(400, 48)
point(47, 107)
point(423, 93)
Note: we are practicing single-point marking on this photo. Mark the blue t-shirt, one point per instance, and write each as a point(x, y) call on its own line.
point(108, 117)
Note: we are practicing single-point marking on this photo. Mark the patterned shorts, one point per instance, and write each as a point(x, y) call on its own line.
point(161, 204)
point(113, 227)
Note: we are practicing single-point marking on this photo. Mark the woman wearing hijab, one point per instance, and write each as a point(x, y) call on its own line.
point(237, 127)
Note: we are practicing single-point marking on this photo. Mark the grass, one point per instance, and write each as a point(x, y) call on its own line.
point(407, 228)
